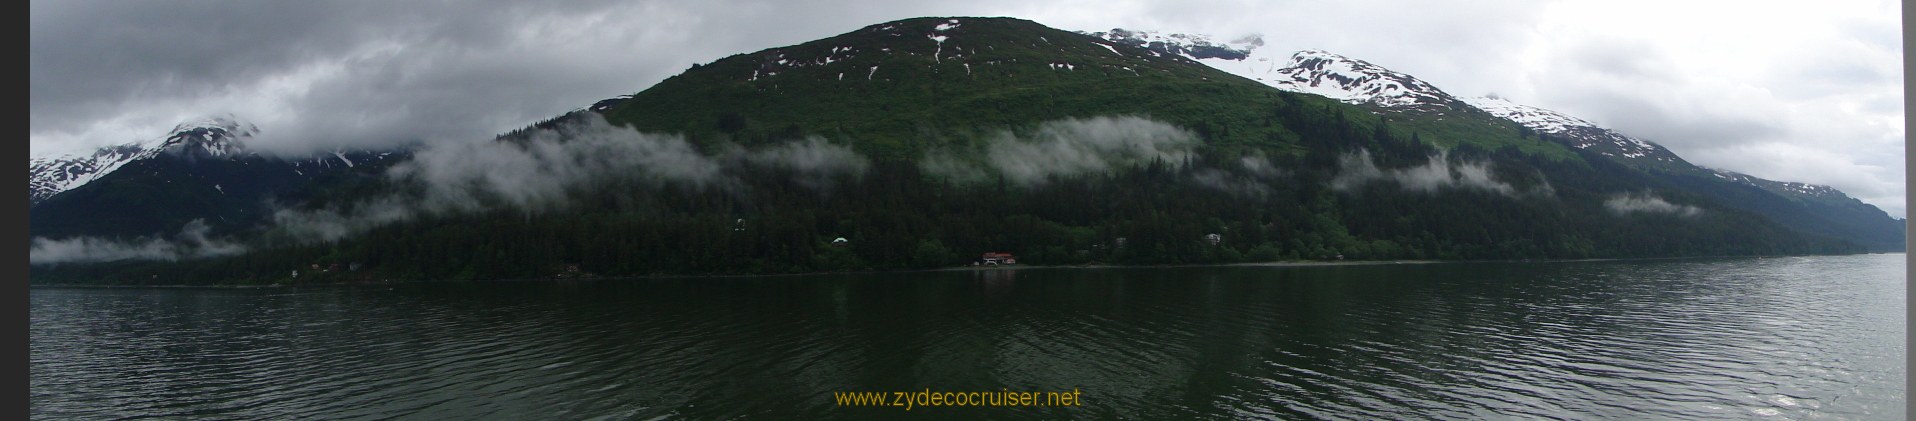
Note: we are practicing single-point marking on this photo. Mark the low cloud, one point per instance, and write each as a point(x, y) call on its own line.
point(540, 172)
point(1259, 165)
point(1068, 147)
point(1227, 182)
point(191, 242)
point(331, 224)
point(813, 160)
point(1628, 203)
point(1255, 168)
point(1440, 172)
point(950, 167)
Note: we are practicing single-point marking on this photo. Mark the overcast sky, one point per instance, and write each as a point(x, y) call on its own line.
point(1795, 91)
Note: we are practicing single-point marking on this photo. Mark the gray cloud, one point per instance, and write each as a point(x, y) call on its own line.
point(319, 75)
point(1067, 147)
point(191, 242)
point(1601, 80)
point(1628, 203)
point(1622, 58)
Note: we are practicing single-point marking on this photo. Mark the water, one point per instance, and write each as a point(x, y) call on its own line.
point(1792, 337)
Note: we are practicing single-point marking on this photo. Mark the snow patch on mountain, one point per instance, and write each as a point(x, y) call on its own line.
point(1533, 117)
point(1194, 47)
point(1353, 81)
point(1575, 132)
point(47, 176)
point(217, 137)
point(1781, 187)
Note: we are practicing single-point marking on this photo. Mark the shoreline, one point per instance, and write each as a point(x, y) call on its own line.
point(1288, 263)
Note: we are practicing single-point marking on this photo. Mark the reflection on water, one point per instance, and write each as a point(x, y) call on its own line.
point(1735, 338)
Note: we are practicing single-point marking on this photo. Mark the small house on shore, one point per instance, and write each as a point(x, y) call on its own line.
point(994, 259)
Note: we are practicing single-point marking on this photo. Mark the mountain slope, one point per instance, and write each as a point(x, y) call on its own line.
point(1817, 210)
point(1810, 208)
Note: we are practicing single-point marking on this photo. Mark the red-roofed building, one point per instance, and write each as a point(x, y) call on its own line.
point(993, 259)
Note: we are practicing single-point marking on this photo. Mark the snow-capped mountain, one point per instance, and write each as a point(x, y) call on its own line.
point(207, 137)
point(222, 137)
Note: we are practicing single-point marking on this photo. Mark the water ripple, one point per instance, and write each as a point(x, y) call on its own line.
point(1710, 339)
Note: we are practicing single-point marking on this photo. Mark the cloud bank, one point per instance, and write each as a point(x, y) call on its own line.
point(813, 160)
point(1440, 172)
point(191, 242)
point(1256, 170)
point(1065, 148)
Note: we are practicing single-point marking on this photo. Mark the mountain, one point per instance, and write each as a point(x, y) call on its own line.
point(201, 169)
point(208, 137)
point(923, 143)
point(931, 78)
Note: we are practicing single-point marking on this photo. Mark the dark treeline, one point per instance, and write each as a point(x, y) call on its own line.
point(895, 216)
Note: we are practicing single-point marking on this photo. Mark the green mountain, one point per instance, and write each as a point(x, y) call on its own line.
point(900, 88)
point(924, 143)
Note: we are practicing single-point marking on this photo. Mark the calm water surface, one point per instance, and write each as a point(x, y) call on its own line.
point(1793, 337)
